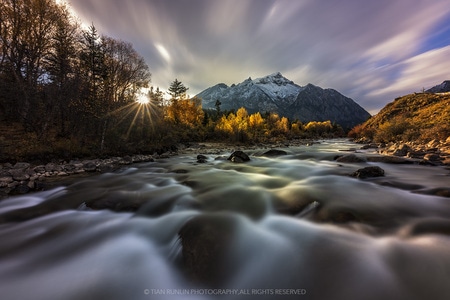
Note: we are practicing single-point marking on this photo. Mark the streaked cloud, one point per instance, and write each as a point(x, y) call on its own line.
point(371, 51)
point(163, 51)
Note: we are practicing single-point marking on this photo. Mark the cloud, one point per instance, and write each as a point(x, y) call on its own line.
point(421, 71)
point(366, 50)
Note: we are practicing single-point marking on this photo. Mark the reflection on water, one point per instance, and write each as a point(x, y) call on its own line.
point(294, 226)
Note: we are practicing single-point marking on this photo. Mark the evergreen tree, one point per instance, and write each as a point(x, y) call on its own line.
point(177, 90)
point(217, 105)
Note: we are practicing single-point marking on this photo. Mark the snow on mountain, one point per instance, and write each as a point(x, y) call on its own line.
point(444, 87)
point(280, 89)
point(275, 93)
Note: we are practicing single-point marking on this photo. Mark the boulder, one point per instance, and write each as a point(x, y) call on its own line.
point(19, 174)
point(369, 146)
point(89, 166)
point(51, 167)
point(70, 168)
point(351, 158)
point(402, 150)
point(39, 169)
point(274, 152)
point(238, 157)
point(367, 172)
point(432, 157)
point(5, 181)
point(202, 158)
point(390, 160)
point(21, 165)
point(204, 240)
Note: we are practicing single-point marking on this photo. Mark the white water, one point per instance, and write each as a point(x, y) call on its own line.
point(295, 224)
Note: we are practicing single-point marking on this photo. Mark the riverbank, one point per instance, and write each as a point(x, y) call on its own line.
point(434, 152)
point(24, 177)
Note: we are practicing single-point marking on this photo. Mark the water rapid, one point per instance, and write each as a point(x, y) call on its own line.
point(295, 226)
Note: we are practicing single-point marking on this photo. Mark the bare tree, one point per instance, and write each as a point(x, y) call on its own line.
point(27, 27)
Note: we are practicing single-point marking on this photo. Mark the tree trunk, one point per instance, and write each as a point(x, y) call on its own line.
point(102, 144)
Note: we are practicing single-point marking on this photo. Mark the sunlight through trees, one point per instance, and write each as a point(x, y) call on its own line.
point(79, 92)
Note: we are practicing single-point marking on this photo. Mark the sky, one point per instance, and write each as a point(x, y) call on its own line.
point(370, 51)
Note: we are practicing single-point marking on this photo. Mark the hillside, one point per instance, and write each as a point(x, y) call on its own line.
point(277, 94)
point(414, 117)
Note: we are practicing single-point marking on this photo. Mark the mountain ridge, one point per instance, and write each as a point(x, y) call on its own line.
point(275, 93)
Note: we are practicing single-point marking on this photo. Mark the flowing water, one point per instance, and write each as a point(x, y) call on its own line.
point(293, 226)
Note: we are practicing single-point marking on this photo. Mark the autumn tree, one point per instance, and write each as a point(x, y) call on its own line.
point(235, 126)
point(256, 125)
point(317, 129)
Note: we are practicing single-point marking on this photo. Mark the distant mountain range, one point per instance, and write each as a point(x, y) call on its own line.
point(275, 93)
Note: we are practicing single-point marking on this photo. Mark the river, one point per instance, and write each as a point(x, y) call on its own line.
point(295, 226)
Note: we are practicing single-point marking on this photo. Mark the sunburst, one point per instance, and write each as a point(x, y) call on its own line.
point(140, 113)
point(142, 97)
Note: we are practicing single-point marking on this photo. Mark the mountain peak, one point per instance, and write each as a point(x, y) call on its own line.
point(444, 87)
point(276, 78)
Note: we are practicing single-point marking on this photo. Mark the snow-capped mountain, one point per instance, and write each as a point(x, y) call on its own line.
point(262, 94)
point(275, 93)
point(444, 87)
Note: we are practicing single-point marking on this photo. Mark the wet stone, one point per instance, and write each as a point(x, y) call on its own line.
point(204, 241)
point(90, 166)
point(19, 175)
point(238, 157)
point(351, 158)
point(21, 165)
point(367, 172)
point(274, 152)
point(432, 157)
point(202, 158)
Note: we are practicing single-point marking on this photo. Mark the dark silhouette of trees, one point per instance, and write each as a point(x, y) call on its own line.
point(26, 34)
point(57, 80)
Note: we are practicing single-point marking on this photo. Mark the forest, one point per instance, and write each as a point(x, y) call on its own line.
point(68, 91)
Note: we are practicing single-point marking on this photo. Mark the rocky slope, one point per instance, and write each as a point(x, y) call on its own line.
point(275, 93)
point(415, 126)
point(421, 113)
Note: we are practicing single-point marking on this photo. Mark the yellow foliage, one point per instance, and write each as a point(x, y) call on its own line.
point(282, 125)
point(186, 112)
point(319, 128)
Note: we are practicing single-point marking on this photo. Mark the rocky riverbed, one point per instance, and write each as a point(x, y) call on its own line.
point(324, 221)
point(433, 153)
point(23, 177)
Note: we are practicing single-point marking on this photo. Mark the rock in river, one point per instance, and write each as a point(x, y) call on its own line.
point(373, 171)
point(204, 241)
point(274, 153)
point(238, 157)
point(351, 158)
